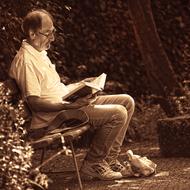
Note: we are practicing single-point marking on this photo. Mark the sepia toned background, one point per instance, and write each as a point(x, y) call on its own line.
point(143, 46)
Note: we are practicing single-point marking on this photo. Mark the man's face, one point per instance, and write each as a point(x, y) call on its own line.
point(45, 35)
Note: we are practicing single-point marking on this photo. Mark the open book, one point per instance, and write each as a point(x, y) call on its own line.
point(84, 88)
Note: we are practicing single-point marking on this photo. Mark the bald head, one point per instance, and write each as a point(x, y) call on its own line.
point(34, 20)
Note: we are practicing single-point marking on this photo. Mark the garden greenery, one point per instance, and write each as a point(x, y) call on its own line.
point(15, 152)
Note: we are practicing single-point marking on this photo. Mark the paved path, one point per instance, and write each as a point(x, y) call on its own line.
point(172, 173)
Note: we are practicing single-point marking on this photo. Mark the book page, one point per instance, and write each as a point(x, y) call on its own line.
point(73, 88)
point(98, 83)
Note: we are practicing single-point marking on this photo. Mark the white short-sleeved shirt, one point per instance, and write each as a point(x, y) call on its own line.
point(36, 76)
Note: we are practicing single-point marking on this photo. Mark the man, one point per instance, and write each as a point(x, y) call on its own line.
point(109, 115)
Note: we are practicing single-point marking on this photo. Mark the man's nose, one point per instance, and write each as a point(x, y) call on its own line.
point(52, 37)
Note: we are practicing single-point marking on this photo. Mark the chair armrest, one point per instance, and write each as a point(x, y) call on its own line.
point(69, 134)
point(76, 132)
point(45, 141)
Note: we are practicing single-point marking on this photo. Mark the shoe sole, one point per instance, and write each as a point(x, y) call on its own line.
point(89, 176)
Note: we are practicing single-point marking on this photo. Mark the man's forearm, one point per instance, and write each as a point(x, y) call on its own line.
point(39, 105)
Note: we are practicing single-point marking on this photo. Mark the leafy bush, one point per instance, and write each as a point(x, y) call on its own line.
point(183, 102)
point(15, 155)
point(15, 152)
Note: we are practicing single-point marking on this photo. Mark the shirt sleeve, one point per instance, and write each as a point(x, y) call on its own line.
point(26, 77)
point(32, 83)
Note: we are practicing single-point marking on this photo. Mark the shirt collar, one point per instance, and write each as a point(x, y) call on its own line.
point(32, 50)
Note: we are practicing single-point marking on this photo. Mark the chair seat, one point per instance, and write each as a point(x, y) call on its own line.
point(55, 136)
point(73, 132)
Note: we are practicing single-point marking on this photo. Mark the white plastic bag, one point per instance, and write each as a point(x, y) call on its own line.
point(141, 166)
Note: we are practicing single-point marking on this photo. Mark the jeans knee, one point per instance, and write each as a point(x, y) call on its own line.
point(122, 113)
point(130, 102)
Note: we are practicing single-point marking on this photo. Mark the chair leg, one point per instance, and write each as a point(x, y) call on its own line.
point(42, 155)
point(76, 165)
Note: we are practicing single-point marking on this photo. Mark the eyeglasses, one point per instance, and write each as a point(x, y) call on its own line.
point(49, 34)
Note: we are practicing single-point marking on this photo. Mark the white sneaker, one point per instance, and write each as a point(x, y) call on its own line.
point(100, 170)
point(125, 169)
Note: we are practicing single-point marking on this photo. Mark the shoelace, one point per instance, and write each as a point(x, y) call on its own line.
point(102, 168)
point(116, 166)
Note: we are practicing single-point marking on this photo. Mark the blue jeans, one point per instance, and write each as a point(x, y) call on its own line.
point(109, 116)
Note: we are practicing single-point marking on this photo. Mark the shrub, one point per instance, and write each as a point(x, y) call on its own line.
point(15, 152)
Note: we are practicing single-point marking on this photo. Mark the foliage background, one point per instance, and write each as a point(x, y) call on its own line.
point(96, 36)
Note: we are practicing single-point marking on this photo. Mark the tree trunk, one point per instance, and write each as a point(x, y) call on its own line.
point(162, 78)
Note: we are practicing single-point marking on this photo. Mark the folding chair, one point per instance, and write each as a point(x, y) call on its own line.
point(75, 123)
point(72, 124)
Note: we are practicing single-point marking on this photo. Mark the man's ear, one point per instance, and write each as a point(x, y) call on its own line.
point(32, 34)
